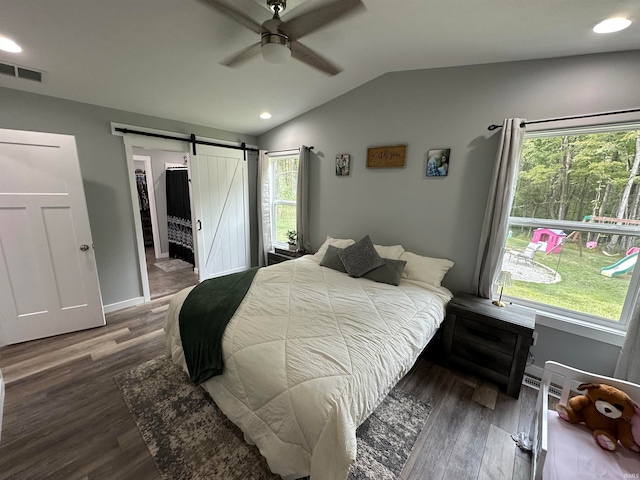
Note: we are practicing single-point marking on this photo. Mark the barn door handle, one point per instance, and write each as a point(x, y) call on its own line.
point(84, 247)
point(199, 225)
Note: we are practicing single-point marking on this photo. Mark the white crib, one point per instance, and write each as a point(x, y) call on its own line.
point(562, 451)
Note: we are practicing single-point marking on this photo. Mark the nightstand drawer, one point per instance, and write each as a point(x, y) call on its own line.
point(281, 255)
point(480, 355)
point(490, 336)
point(488, 340)
point(273, 258)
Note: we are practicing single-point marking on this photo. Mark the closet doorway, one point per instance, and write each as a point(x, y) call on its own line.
point(217, 179)
point(164, 203)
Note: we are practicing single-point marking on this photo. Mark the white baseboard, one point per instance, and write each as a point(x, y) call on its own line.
point(121, 305)
point(164, 255)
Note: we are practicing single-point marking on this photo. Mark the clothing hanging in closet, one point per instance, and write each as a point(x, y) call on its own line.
point(143, 195)
point(143, 204)
point(179, 215)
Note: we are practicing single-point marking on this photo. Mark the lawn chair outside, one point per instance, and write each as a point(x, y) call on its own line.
point(528, 254)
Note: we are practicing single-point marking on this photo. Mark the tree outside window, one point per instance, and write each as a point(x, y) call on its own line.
point(577, 205)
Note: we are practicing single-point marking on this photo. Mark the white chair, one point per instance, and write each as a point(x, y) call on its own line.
point(528, 253)
point(576, 455)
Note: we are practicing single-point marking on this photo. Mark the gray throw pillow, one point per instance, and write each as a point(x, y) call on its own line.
point(332, 260)
point(360, 258)
point(390, 272)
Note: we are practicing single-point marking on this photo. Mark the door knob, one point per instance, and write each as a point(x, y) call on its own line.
point(84, 248)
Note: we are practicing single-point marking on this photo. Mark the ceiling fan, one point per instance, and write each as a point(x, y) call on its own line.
point(280, 39)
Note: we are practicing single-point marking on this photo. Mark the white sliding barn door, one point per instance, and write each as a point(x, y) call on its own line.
point(221, 201)
point(48, 278)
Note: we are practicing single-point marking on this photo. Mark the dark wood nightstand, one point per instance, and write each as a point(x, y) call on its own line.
point(489, 340)
point(282, 255)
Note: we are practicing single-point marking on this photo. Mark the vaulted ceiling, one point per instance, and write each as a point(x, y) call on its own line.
point(161, 57)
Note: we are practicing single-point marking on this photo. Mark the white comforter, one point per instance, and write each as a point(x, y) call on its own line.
point(309, 354)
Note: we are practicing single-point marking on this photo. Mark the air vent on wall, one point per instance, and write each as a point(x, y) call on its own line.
point(20, 72)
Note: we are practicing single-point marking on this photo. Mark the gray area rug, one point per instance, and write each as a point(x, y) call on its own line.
point(173, 265)
point(189, 438)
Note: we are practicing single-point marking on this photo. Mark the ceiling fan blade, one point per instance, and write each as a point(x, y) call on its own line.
point(237, 15)
point(313, 20)
point(242, 56)
point(313, 59)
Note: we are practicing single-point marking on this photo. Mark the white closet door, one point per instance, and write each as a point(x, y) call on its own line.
point(48, 277)
point(221, 201)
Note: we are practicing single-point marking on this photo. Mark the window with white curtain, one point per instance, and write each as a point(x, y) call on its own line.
point(574, 229)
point(283, 202)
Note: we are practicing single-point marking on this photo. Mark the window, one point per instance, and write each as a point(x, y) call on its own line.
point(283, 202)
point(574, 228)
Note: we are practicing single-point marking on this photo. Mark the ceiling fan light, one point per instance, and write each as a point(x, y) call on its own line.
point(276, 48)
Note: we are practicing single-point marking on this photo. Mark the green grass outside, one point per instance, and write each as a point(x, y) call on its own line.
point(285, 221)
point(582, 288)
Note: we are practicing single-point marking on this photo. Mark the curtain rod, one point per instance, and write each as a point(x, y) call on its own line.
point(590, 115)
point(191, 139)
point(289, 150)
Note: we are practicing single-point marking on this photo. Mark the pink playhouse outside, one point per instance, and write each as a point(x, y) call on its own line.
point(552, 238)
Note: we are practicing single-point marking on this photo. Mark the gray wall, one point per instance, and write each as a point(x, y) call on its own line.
point(104, 172)
point(443, 108)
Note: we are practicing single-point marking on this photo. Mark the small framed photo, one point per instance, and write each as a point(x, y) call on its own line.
point(342, 164)
point(438, 162)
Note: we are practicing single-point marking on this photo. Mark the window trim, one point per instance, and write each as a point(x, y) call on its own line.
point(576, 326)
point(272, 200)
point(572, 320)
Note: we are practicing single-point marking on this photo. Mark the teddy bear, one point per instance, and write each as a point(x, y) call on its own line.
point(605, 410)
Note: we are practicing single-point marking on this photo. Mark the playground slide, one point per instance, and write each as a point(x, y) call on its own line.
point(620, 268)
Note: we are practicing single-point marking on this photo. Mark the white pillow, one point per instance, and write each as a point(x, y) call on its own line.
point(425, 269)
point(336, 242)
point(392, 251)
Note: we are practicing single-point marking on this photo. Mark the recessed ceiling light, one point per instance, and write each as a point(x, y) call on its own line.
point(612, 25)
point(9, 45)
point(265, 115)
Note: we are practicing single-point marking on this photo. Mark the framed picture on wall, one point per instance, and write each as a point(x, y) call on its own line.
point(438, 162)
point(386, 157)
point(342, 164)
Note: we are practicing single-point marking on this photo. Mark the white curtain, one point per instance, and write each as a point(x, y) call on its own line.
point(302, 201)
point(628, 367)
point(264, 207)
point(496, 217)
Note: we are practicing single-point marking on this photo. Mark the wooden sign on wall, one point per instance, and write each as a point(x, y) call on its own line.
point(386, 157)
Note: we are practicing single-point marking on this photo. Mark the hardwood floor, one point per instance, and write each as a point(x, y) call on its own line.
point(65, 418)
point(163, 283)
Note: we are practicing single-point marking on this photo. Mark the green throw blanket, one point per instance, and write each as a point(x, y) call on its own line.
point(203, 319)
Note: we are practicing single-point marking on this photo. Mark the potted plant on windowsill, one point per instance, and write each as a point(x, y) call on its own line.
point(292, 238)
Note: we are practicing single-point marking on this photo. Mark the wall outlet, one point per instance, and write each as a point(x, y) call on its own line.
point(535, 338)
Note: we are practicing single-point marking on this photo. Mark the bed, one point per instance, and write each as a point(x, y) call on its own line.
point(563, 451)
point(310, 353)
